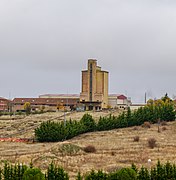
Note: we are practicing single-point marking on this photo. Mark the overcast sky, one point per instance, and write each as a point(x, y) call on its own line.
point(44, 45)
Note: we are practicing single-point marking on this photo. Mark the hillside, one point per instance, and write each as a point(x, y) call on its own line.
point(114, 149)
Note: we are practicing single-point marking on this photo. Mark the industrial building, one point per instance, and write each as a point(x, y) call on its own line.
point(94, 94)
point(46, 104)
point(4, 104)
point(119, 101)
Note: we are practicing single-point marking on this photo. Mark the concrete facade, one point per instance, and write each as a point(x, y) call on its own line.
point(118, 101)
point(94, 94)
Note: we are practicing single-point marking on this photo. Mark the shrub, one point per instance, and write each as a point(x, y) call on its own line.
point(69, 149)
point(163, 123)
point(136, 139)
point(79, 177)
point(33, 174)
point(54, 173)
point(146, 125)
point(124, 173)
point(100, 175)
point(112, 153)
point(143, 174)
point(135, 128)
point(164, 128)
point(89, 123)
point(89, 149)
point(27, 108)
point(152, 142)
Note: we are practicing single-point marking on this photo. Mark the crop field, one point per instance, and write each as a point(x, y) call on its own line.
point(113, 149)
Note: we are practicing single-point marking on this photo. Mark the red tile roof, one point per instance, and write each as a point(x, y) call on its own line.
point(121, 97)
point(44, 101)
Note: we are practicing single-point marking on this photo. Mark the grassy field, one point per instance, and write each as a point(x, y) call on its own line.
point(114, 149)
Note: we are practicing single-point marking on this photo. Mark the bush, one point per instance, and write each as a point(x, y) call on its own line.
point(123, 174)
point(146, 125)
point(89, 123)
point(135, 128)
point(164, 128)
point(152, 142)
point(89, 149)
point(79, 177)
point(33, 174)
point(69, 149)
point(100, 175)
point(136, 139)
point(56, 173)
point(163, 123)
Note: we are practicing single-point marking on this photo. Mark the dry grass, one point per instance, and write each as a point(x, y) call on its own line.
point(114, 149)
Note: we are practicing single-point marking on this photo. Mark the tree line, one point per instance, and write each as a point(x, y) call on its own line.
point(18, 171)
point(155, 111)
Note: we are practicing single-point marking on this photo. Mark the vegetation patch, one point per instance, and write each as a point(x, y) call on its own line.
point(146, 125)
point(54, 131)
point(151, 142)
point(69, 149)
point(89, 149)
point(54, 172)
point(136, 139)
point(164, 128)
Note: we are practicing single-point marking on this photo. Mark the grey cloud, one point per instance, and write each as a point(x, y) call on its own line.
point(134, 40)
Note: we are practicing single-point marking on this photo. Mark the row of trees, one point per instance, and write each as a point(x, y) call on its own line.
point(21, 172)
point(59, 131)
point(159, 172)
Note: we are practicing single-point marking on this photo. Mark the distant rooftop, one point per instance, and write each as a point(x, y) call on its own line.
point(4, 99)
point(60, 95)
point(114, 95)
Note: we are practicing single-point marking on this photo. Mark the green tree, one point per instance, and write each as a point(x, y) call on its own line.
point(166, 98)
point(27, 108)
point(124, 173)
point(79, 177)
point(143, 174)
point(88, 122)
point(33, 174)
point(56, 173)
point(100, 175)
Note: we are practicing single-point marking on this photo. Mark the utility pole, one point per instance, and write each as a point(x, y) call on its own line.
point(145, 97)
point(64, 118)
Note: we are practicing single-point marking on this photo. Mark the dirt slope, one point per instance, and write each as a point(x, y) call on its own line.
point(114, 149)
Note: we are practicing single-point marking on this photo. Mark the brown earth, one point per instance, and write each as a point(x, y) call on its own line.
point(114, 149)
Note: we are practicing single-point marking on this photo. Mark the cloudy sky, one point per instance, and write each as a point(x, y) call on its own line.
point(44, 45)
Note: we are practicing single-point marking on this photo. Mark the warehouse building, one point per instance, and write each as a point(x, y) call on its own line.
point(45, 104)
